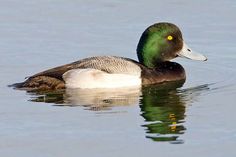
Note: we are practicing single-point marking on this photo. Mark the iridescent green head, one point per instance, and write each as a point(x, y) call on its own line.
point(163, 42)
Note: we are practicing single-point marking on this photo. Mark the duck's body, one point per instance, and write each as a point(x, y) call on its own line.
point(103, 72)
point(158, 44)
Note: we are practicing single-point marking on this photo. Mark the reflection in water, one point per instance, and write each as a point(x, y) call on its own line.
point(164, 112)
point(91, 99)
point(162, 107)
point(102, 99)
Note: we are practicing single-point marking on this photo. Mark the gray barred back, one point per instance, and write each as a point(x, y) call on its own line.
point(110, 64)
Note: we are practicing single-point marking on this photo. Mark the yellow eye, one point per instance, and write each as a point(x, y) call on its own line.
point(169, 37)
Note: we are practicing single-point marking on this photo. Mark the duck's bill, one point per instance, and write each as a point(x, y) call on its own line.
point(186, 52)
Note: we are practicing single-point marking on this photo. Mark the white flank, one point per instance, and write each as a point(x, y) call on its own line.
point(93, 78)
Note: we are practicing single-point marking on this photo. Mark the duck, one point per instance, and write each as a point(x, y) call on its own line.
point(157, 46)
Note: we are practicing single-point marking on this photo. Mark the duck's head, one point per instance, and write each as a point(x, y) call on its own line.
point(162, 42)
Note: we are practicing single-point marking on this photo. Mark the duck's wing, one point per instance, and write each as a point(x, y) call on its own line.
point(109, 64)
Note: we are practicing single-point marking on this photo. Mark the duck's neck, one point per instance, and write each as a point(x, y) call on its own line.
point(164, 72)
point(148, 50)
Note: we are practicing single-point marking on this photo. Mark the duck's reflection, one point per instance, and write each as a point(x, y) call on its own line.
point(92, 99)
point(162, 107)
point(164, 113)
point(102, 99)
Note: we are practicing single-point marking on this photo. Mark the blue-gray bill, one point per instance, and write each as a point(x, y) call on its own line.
point(186, 52)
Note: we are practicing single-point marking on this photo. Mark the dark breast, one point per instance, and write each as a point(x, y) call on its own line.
point(164, 72)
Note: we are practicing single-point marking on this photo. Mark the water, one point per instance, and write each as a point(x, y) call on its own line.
point(196, 119)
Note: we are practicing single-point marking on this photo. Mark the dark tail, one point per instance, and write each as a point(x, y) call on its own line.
point(17, 85)
point(39, 83)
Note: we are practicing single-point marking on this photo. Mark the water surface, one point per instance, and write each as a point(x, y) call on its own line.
point(194, 119)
